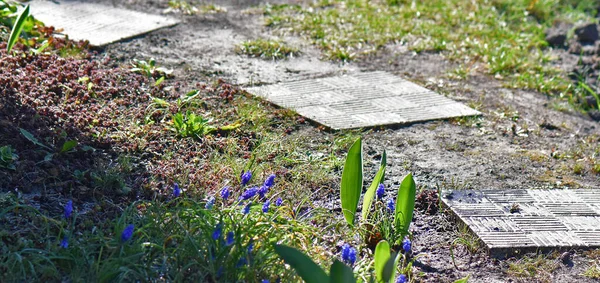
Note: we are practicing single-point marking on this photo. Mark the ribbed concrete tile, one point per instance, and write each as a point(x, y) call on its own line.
point(99, 24)
point(362, 100)
point(508, 221)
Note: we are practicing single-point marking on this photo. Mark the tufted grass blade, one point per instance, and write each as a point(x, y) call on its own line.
point(368, 198)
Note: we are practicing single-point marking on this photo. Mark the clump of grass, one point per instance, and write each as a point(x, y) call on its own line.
point(266, 49)
point(500, 38)
point(539, 267)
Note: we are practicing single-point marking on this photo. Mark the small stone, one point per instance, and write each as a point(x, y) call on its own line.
point(575, 48)
point(594, 114)
point(557, 35)
point(587, 33)
point(565, 258)
point(591, 101)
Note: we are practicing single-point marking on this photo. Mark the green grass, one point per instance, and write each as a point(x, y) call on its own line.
point(266, 49)
point(534, 267)
point(173, 240)
point(504, 38)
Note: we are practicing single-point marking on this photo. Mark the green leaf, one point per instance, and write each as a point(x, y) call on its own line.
point(159, 81)
point(463, 280)
point(307, 269)
point(382, 254)
point(68, 145)
point(405, 203)
point(352, 181)
point(340, 273)
point(32, 139)
point(368, 198)
point(17, 28)
point(389, 271)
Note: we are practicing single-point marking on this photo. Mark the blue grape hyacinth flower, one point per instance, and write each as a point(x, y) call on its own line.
point(406, 245)
point(270, 181)
point(229, 239)
point(225, 192)
point(64, 243)
point(391, 206)
point(278, 202)
point(246, 176)
point(246, 208)
point(68, 209)
point(265, 207)
point(217, 232)
point(262, 191)
point(401, 279)
point(348, 254)
point(250, 246)
point(127, 233)
point(176, 190)
point(249, 193)
point(380, 191)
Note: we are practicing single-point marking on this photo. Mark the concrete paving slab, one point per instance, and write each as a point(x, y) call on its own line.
point(513, 221)
point(97, 23)
point(362, 100)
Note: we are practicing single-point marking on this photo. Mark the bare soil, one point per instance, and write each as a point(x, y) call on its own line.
point(521, 141)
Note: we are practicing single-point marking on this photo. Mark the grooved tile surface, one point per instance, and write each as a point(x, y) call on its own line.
point(508, 221)
point(99, 24)
point(362, 100)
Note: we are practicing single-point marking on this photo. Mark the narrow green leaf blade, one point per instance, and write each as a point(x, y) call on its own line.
point(382, 254)
point(352, 181)
point(307, 269)
point(68, 145)
point(17, 28)
point(368, 199)
point(463, 280)
point(32, 139)
point(405, 203)
point(340, 273)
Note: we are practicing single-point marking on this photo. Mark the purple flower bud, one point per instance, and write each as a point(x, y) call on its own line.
point(401, 279)
point(250, 246)
point(64, 243)
point(406, 245)
point(391, 206)
point(225, 192)
point(262, 191)
point(68, 209)
point(265, 207)
point(345, 252)
point(270, 181)
point(246, 208)
point(127, 233)
point(246, 176)
point(380, 191)
point(217, 232)
point(265, 281)
point(176, 190)
point(352, 256)
point(229, 239)
point(348, 254)
point(249, 193)
point(278, 202)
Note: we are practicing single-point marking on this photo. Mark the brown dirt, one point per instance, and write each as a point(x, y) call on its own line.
point(519, 142)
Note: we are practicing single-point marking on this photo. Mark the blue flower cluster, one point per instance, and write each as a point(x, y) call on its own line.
point(348, 254)
point(380, 191)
